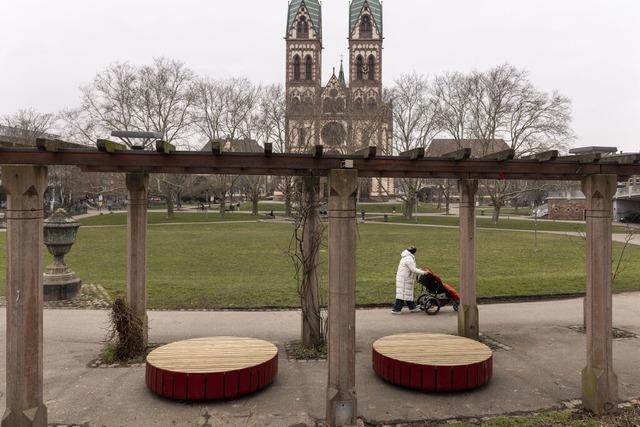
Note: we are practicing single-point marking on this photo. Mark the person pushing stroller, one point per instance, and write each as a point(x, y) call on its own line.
point(405, 281)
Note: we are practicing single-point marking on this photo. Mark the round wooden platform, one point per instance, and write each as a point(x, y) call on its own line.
point(432, 362)
point(211, 368)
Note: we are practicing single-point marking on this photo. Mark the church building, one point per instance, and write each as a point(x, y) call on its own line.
point(344, 115)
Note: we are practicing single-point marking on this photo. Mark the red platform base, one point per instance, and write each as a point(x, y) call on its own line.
point(432, 362)
point(211, 368)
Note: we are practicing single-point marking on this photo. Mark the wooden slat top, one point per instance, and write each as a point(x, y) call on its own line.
point(212, 355)
point(432, 349)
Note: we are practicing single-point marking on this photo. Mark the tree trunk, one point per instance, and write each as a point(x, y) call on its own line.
point(496, 214)
point(407, 208)
point(170, 213)
point(223, 206)
point(312, 336)
point(255, 198)
point(287, 200)
point(447, 205)
point(439, 197)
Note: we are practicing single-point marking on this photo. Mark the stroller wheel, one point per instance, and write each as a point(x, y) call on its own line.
point(431, 306)
point(456, 306)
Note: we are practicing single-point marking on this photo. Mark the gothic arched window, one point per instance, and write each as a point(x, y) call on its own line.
point(359, 68)
point(308, 68)
point(303, 28)
point(365, 27)
point(302, 137)
point(296, 67)
point(372, 67)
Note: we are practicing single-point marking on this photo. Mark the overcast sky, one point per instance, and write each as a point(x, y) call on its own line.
point(589, 50)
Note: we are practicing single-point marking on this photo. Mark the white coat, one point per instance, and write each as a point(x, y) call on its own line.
point(406, 276)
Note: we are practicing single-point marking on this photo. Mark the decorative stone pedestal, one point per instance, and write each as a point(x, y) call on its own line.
point(59, 281)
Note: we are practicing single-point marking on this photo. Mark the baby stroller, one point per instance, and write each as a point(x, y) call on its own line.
point(437, 294)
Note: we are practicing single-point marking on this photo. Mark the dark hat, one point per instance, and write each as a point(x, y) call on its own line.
point(412, 249)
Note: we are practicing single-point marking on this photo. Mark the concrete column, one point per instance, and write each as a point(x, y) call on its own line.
point(468, 319)
point(311, 239)
point(341, 391)
point(599, 381)
point(138, 186)
point(25, 186)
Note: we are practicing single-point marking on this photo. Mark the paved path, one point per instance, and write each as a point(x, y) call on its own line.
point(542, 369)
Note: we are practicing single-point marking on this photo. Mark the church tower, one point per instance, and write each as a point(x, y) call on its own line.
point(304, 66)
point(365, 53)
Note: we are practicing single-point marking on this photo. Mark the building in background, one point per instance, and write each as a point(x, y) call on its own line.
point(343, 116)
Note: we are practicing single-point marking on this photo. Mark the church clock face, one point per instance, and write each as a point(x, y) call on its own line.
point(365, 68)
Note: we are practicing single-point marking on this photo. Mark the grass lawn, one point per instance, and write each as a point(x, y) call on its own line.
point(161, 218)
point(247, 265)
point(367, 207)
point(510, 224)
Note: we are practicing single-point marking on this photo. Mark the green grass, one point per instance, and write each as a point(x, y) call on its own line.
point(367, 207)
point(161, 218)
point(247, 264)
point(504, 223)
point(563, 418)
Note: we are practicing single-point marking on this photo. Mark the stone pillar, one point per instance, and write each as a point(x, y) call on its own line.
point(311, 239)
point(468, 319)
point(599, 381)
point(25, 186)
point(138, 186)
point(341, 392)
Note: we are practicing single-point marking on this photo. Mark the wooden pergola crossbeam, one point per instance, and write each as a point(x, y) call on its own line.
point(414, 154)
point(164, 147)
point(50, 145)
point(115, 158)
point(110, 146)
point(216, 148)
point(462, 154)
point(582, 158)
point(545, 156)
point(501, 156)
point(367, 152)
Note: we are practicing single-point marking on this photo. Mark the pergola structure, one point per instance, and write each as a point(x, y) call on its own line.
point(24, 176)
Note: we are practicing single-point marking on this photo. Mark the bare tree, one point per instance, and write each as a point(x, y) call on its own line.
point(505, 104)
point(415, 125)
point(224, 111)
point(305, 254)
point(27, 124)
point(454, 96)
point(155, 97)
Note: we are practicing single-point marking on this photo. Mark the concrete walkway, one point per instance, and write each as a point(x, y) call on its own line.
point(540, 371)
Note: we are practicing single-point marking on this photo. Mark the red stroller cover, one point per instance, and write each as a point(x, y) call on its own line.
point(453, 294)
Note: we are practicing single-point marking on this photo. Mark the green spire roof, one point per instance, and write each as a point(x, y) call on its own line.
point(356, 8)
point(314, 9)
point(341, 78)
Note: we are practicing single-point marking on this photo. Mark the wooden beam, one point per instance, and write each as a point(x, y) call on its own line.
point(462, 154)
point(25, 186)
point(468, 315)
point(216, 148)
point(367, 152)
point(414, 154)
point(50, 145)
point(268, 149)
point(500, 156)
point(622, 159)
point(545, 156)
point(317, 151)
point(164, 147)
point(297, 164)
point(110, 146)
point(581, 158)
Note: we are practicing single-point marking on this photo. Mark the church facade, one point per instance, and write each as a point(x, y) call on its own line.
point(343, 116)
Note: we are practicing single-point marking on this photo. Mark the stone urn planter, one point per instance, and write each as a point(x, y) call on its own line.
point(60, 282)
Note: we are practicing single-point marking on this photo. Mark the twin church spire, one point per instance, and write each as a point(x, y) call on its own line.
point(304, 30)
